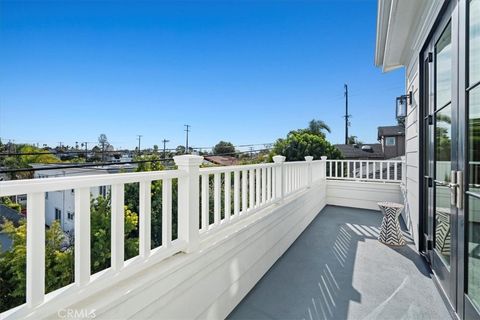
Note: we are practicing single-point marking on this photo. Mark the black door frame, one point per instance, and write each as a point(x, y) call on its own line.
point(457, 9)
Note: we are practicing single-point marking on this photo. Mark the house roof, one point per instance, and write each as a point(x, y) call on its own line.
point(351, 151)
point(9, 214)
point(390, 131)
point(222, 160)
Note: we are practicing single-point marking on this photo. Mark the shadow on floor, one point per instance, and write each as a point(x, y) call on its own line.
point(337, 269)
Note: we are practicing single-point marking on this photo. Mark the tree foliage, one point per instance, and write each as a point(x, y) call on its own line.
point(224, 147)
point(306, 142)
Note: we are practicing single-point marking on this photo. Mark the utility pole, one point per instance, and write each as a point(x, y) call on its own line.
point(164, 147)
point(347, 116)
point(86, 149)
point(187, 130)
point(139, 141)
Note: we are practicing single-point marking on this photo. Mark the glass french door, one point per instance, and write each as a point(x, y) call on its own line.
point(451, 154)
point(472, 194)
point(441, 163)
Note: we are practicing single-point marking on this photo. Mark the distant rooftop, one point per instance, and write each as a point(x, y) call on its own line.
point(355, 151)
point(390, 131)
point(222, 160)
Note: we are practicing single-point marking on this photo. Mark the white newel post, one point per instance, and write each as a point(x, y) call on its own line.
point(309, 160)
point(188, 200)
point(279, 177)
point(324, 167)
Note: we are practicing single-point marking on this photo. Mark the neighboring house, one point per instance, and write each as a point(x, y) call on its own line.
point(222, 160)
point(437, 43)
point(60, 205)
point(392, 140)
point(361, 151)
point(10, 214)
point(392, 145)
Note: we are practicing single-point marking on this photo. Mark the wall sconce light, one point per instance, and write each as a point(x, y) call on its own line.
point(401, 105)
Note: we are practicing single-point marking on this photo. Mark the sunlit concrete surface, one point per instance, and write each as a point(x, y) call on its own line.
point(337, 269)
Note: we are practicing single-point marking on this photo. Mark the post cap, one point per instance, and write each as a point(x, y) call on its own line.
point(279, 159)
point(323, 158)
point(308, 158)
point(188, 160)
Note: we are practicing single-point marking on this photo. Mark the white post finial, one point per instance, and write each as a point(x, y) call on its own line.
point(308, 158)
point(188, 200)
point(324, 158)
point(279, 159)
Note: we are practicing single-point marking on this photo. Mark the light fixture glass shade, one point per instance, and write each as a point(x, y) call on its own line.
point(401, 107)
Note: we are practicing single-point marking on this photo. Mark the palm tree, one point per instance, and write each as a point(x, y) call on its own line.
point(317, 126)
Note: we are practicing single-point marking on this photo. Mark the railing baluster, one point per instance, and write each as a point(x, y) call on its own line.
point(361, 169)
point(269, 183)
point(167, 212)
point(244, 191)
point(257, 187)
point(388, 170)
point(35, 248)
point(82, 236)
point(228, 195)
point(330, 171)
point(251, 189)
point(118, 226)
point(236, 192)
point(145, 225)
point(395, 172)
point(264, 185)
point(217, 193)
point(381, 170)
point(205, 202)
point(348, 169)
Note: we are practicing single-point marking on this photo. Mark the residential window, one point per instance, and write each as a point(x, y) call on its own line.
point(58, 214)
point(390, 141)
point(70, 215)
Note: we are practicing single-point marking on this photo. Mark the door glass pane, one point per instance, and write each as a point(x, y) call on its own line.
point(474, 42)
point(473, 247)
point(443, 147)
point(474, 140)
point(443, 83)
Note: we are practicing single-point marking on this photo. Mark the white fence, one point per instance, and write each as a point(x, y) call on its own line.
point(365, 170)
point(238, 191)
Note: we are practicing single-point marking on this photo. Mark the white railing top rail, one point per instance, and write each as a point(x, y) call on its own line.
point(15, 187)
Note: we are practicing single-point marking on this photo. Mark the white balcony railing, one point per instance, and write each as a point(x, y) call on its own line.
point(365, 170)
point(238, 192)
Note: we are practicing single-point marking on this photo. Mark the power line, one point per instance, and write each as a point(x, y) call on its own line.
point(67, 152)
point(100, 164)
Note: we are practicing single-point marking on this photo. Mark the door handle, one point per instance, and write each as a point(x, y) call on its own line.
point(459, 189)
point(453, 187)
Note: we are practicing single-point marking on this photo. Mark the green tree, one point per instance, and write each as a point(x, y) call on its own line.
point(353, 140)
point(317, 127)
point(58, 263)
point(299, 144)
point(224, 147)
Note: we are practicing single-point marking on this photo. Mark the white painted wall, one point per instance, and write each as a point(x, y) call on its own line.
point(362, 194)
point(412, 213)
point(211, 282)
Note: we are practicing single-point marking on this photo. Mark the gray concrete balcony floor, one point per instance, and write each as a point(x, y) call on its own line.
point(337, 269)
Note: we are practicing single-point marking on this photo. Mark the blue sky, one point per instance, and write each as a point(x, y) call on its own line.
point(244, 71)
